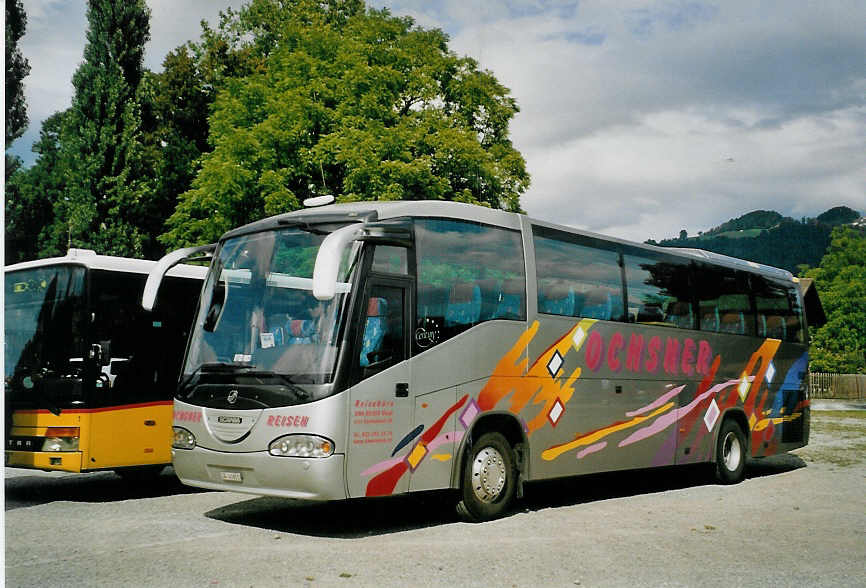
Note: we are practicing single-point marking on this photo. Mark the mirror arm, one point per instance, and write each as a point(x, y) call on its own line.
point(328, 260)
point(154, 279)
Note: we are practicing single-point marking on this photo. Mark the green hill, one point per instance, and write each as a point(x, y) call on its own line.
point(757, 219)
point(765, 236)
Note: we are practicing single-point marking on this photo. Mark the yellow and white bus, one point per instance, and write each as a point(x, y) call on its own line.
point(89, 376)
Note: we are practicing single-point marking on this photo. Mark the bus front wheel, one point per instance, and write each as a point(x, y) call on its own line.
point(489, 480)
point(730, 453)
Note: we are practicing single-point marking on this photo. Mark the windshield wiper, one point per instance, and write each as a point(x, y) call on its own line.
point(247, 370)
point(300, 392)
point(219, 366)
point(215, 367)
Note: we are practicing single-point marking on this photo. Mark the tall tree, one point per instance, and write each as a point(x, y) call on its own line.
point(357, 103)
point(30, 197)
point(109, 187)
point(17, 68)
point(840, 345)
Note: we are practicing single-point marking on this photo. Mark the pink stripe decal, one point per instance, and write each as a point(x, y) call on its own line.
point(382, 465)
point(591, 449)
point(663, 399)
point(666, 420)
point(440, 440)
point(446, 438)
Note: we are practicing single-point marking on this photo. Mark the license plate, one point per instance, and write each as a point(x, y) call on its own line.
point(232, 477)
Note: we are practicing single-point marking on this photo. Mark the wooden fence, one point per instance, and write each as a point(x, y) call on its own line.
point(844, 386)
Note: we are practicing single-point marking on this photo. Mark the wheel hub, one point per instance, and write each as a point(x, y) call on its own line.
point(731, 452)
point(488, 475)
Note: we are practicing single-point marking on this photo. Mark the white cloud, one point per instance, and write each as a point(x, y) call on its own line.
point(637, 118)
point(642, 119)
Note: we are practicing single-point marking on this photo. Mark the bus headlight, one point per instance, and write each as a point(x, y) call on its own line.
point(181, 438)
point(301, 446)
point(61, 439)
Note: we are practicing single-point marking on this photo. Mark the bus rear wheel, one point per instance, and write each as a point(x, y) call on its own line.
point(489, 480)
point(730, 453)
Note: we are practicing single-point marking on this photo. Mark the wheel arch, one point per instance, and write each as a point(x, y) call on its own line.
point(737, 415)
point(504, 423)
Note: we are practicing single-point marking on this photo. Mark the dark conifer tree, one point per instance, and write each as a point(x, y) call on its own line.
point(109, 189)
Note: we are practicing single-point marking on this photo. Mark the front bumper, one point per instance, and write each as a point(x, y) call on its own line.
point(60, 461)
point(261, 473)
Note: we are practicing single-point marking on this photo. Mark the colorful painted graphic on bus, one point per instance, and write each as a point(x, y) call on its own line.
point(682, 411)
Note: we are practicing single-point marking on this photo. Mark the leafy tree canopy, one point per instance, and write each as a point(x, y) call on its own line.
point(838, 215)
point(757, 219)
point(30, 194)
point(348, 101)
point(17, 68)
point(840, 345)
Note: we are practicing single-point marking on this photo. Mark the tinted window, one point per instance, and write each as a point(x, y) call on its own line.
point(659, 292)
point(779, 311)
point(576, 279)
point(723, 300)
point(390, 260)
point(382, 339)
point(146, 348)
point(467, 273)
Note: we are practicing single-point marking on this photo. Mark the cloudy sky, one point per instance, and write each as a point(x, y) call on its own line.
point(637, 119)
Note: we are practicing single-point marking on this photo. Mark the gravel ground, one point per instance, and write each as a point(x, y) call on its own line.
point(798, 519)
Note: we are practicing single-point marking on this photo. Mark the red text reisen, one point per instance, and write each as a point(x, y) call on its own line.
point(673, 355)
point(187, 416)
point(278, 420)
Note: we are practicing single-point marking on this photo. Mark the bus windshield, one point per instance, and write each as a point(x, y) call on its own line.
point(44, 336)
point(258, 317)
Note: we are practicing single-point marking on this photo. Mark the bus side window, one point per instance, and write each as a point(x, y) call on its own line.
point(581, 279)
point(779, 311)
point(723, 299)
point(382, 340)
point(659, 290)
point(468, 273)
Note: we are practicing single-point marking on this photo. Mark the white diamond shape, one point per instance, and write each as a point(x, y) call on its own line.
point(743, 389)
point(712, 415)
point(771, 371)
point(554, 364)
point(578, 338)
point(555, 412)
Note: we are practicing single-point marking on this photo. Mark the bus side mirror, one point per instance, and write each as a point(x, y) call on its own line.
point(154, 279)
point(100, 353)
point(331, 250)
point(328, 260)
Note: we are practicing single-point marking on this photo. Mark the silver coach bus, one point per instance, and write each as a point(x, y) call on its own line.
point(371, 349)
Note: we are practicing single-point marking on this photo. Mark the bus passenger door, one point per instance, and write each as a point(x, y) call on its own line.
point(380, 410)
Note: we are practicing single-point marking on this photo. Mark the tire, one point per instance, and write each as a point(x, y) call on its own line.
point(731, 449)
point(489, 479)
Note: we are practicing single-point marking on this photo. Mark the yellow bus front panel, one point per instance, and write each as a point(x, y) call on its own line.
point(34, 431)
point(91, 439)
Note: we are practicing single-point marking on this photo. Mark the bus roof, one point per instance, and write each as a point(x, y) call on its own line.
point(89, 259)
point(461, 211)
